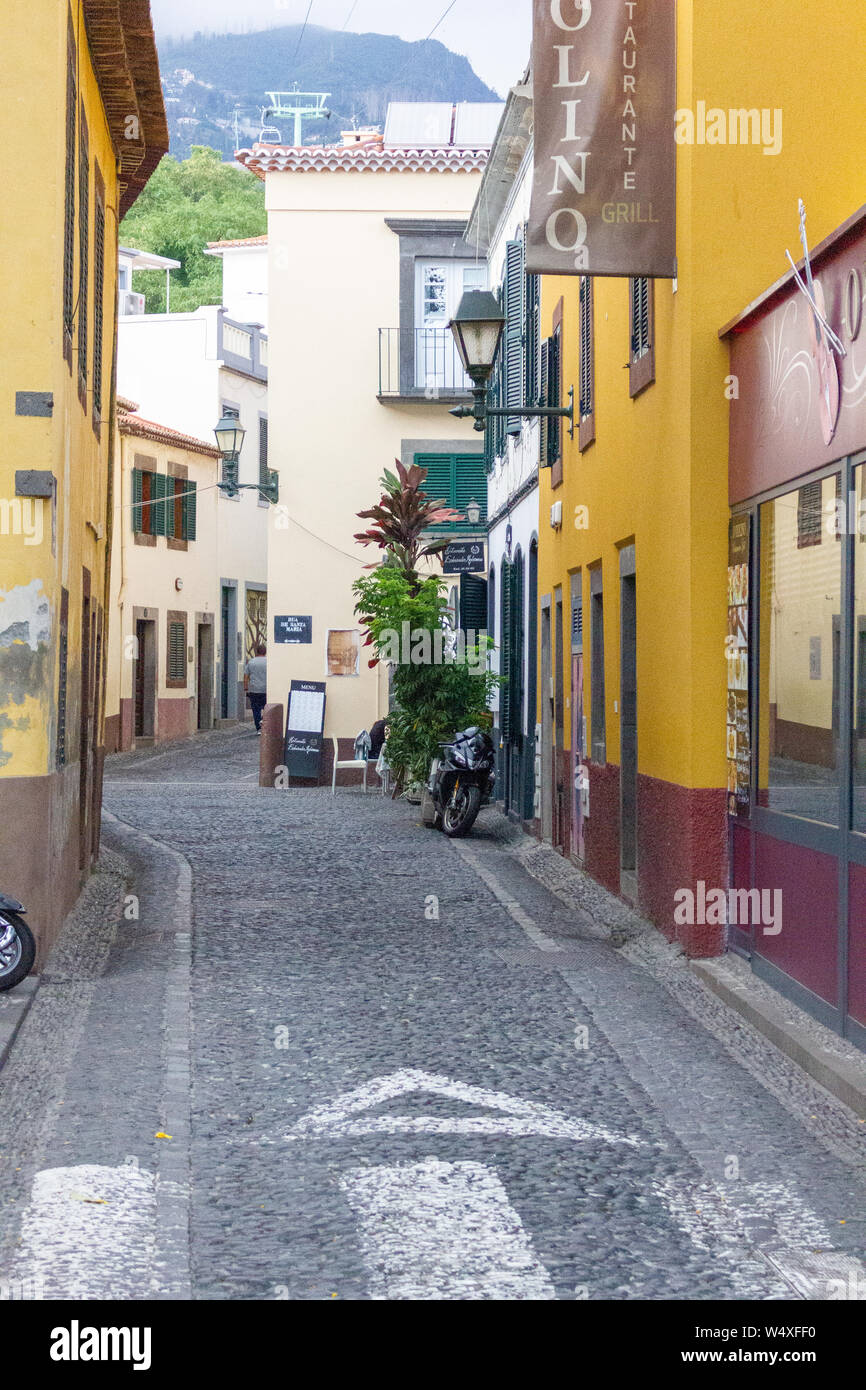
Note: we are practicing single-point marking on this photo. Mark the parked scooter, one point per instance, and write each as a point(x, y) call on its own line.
point(461, 782)
point(17, 946)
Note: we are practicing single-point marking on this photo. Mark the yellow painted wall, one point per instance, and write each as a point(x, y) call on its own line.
point(32, 136)
point(657, 473)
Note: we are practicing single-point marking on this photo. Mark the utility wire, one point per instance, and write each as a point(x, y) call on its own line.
point(303, 31)
point(410, 60)
point(349, 16)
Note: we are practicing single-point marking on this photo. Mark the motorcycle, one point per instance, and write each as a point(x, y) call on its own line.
point(17, 946)
point(461, 782)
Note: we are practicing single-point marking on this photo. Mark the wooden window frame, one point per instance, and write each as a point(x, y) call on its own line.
point(175, 618)
point(69, 194)
point(176, 537)
point(98, 295)
point(586, 425)
point(556, 433)
point(147, 535)
point(83, 253)
point(641, 368)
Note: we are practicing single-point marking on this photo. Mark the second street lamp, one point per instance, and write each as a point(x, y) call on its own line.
point(478, 327)
point(230, 435)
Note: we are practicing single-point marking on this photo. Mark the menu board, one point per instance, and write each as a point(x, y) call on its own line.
point(739, 731)
point(305, 728)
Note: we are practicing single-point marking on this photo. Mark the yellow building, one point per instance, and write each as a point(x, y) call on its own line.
point(165, 585)
point(634, 510)
point(82, 126)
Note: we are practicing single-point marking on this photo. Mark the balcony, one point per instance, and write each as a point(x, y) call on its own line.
point(243, 347)
point(421, 364)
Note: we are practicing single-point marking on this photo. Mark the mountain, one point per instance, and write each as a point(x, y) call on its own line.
point(210, 81)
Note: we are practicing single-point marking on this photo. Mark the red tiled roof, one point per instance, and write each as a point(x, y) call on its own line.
point(163, 434)
point(240, 241)
point(372, 158)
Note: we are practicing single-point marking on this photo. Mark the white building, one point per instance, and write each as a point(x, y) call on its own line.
point(245, 278)
point(186, 370)
point(497, 227)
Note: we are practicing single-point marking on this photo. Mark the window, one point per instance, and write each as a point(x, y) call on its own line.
point(641, 316)
point(456, 478)
point(597, 711)
point(163, 506)
point(587, 365)
point(532, 335)
point(809, 514)
point(551, 374)
point(800, 671)
point(83, 254)
point(69, 214)
point(98, 292)
point(176, 653)
point(263, 451)
point(514, 325)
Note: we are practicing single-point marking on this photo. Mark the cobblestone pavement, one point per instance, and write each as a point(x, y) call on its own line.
point(383, 1065)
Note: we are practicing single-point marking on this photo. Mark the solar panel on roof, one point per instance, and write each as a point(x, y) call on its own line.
point(418, 124)
point(476, 123)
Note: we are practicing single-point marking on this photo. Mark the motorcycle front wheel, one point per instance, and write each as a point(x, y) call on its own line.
point(461, 811)
point(17, 950)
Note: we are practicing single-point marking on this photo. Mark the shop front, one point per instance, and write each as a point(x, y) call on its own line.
point(796, 644)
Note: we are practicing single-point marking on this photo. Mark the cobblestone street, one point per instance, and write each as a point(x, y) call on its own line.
point(296, 1046)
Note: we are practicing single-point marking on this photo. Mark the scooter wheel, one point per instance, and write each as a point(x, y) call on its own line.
point(459, 817)
point(21, 962)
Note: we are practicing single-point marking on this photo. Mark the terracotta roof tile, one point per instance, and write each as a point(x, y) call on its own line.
point(239, 241)
point(327, 159)
point(163, 434)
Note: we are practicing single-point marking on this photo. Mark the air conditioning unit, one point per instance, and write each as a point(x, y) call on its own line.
point(556, 515)
point(131, 303)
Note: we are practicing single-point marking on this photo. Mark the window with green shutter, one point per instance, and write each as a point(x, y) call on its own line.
point(137, 500)
point(514, 325)
point(457, 480)
point(190, 511)
point(176, 653)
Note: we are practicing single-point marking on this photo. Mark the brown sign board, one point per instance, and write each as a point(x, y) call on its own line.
point(604, 93)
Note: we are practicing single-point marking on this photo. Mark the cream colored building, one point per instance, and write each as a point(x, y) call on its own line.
point(367, 264)
point(165, 585)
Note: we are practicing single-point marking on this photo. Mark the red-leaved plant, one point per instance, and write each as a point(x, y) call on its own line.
point(402, 516)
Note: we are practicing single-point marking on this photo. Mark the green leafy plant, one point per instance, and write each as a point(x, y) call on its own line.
point(401, 517)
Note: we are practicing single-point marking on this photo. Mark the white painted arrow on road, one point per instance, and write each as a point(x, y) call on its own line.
point(345, 1115)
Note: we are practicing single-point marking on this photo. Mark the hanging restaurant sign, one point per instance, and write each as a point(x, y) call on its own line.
point(604, 190)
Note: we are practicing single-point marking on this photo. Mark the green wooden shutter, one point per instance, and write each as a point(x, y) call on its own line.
point(471, 482)
point(586, 346)
point(176, 652)
point(190, 509)
point(515, 689)
point(439, 484)
point(137, 493)
point(532, 335)
point(473, 603)
point(158, 489)
point(514, 315)
point(263, 451)
point(505, 659)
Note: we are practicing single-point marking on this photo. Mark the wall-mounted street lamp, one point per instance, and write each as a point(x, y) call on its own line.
point(230, 435)
point(473, 512)
point(478, 326)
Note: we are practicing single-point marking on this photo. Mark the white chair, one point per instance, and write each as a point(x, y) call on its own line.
point(349, 762)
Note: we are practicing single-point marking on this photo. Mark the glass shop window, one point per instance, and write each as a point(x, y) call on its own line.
point(858, 524)
point(799, 663)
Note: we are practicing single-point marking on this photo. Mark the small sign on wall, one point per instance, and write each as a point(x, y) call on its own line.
point(464, 557)
point(293, 631)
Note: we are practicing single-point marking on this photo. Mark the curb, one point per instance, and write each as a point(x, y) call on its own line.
point(843, 1079)
point(14, 1008)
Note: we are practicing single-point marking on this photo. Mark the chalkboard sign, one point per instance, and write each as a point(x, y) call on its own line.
point(464, 557)
point(293, 631)
point(305, 727)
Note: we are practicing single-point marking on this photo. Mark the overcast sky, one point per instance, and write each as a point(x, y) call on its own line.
point(493, 34)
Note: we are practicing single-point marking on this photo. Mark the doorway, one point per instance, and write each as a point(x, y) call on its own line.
point(547, 784)
point(229, 643)
point(145, 679)
point(204, 675)
point(578, 724)
point(84, 737)
point(628, 725)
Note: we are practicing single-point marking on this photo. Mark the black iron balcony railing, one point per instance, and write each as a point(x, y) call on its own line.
point(421, 364)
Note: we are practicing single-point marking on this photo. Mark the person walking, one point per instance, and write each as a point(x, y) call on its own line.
point(256, 684)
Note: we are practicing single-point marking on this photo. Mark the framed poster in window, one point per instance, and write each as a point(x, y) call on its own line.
point(343, 653)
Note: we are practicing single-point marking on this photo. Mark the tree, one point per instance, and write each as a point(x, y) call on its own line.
point(183, 207)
